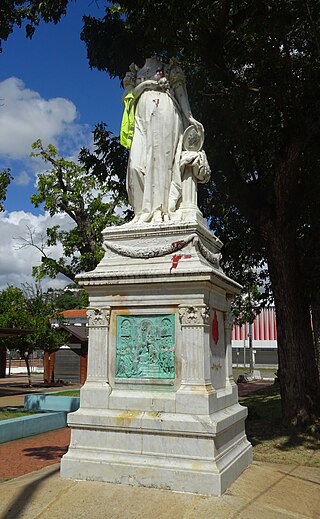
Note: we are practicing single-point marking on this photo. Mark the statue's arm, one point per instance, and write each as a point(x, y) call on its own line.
point(149, 84)
point(130, 79)
point(181, 96)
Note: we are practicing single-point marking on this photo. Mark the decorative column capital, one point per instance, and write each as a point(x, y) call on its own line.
point(99, 317)
point(197, 315)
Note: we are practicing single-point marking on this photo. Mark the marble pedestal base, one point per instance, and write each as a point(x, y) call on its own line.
point(183, 431)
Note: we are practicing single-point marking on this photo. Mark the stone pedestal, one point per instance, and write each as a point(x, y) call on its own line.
point(159, 407)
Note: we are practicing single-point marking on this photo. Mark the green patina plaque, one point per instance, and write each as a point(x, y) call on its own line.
point(145, 346)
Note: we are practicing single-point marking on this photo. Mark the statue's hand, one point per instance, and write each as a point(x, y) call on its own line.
point(164, 83)
point(197, 124)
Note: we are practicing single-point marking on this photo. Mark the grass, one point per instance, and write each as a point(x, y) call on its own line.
point(272, 441)
point(72, 392)
point(7, 414)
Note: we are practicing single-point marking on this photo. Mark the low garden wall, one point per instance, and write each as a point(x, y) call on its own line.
point(54, 410)
point(24, 426)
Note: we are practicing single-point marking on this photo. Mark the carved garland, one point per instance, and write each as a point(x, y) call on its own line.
point(155, 252)
point(99, 316)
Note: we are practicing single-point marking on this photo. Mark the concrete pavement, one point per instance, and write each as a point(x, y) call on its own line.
point(263, 491)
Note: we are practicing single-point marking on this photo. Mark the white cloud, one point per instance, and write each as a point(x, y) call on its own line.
point(26, 116)
point(16, 263)
point(23, 179)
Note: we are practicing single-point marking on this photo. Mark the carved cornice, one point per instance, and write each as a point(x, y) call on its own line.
point(99, 317)
point(197, 315)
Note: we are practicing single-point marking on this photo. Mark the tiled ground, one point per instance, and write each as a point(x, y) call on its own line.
point(26, 455)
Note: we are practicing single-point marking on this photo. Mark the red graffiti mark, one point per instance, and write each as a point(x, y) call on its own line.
point(215, 328)
point(156, 102)
point(176, 258)
point(177, 243)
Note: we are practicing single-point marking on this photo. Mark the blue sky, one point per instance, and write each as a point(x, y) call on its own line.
point(48, 91)
point(54, 64)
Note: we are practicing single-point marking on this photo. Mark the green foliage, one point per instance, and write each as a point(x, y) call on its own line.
point(90, 192)
point(5, 179)
point(28, 311)
point(246, 306)
point(28, 13)
point(67, 299)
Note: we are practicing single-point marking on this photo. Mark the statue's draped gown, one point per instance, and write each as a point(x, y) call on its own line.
point(154, 177)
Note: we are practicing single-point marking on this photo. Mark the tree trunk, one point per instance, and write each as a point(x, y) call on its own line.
point(298, 374)
point(26, 359)
point(3, 361)
point(315, 309)
point(48, 366)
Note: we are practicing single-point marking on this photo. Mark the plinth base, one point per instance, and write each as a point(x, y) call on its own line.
point(183, 453)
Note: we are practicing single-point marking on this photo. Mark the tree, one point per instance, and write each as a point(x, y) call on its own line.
point(253, 72)
point(28, 311)
point(90, 192)
point(5, 179)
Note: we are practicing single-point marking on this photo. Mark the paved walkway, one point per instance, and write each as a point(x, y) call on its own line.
point(263, 491)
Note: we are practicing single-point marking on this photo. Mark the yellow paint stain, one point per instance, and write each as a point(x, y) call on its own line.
point(125, 418)
point(154, 414)
point(124, 311)
point(112, 329)
point(201, 389)
point(197, 466)
point(113, 324)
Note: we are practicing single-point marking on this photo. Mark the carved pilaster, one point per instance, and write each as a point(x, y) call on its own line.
point(197, 315)
point(194, 321)
point(99, 320)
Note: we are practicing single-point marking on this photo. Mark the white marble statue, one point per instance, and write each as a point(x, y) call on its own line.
point(166, 149)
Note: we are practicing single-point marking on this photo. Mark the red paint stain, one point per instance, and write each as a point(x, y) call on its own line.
point(215, 328)
point(177, 243)
point(176, 258)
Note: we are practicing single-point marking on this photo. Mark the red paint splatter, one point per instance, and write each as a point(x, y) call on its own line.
point(176, 258)
point(215, 328)
point(177, 243)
